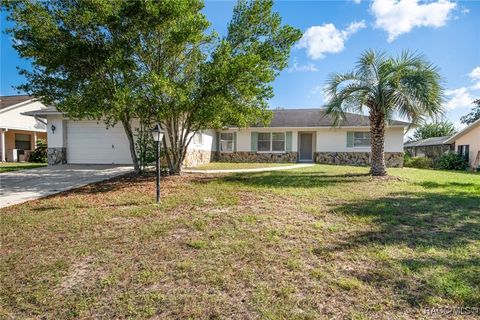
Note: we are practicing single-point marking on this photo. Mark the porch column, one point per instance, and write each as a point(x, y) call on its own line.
point(2, 133)
point(34, 140)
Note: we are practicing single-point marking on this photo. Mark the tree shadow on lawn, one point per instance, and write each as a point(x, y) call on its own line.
point(281, 179)
point(444, 222)
point(419, 219)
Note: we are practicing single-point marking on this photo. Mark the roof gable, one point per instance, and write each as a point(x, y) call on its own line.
point(464, 131)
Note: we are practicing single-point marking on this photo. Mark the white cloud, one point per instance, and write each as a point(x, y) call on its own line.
point(357, 1)
point(296, 67)
point(475, 76)
point(319, 91)
point(458, 98)
point(319, 40)
point(401, 16)
point(476, 86)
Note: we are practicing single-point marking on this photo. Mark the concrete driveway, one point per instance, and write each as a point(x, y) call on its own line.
point(20, 186)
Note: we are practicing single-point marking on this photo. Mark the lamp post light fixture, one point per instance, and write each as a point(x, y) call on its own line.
point(157, 134)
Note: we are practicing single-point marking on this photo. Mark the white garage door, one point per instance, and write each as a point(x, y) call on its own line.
point(90, 142)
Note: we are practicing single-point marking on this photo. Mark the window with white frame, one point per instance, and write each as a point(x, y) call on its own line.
point(278, 141)
point(226, 141)
point(263, 143)
point(198, 138)
point(361, 139)
point(271, 142)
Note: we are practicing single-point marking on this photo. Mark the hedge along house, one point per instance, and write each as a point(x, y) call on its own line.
point(295, 135)
point(19, 133)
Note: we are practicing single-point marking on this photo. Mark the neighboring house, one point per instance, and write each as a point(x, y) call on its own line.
point(19, 133)
point(431, 148)
point(294, 135)
point(467, 143)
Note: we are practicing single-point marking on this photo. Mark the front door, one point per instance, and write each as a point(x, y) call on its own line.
point(306, 148)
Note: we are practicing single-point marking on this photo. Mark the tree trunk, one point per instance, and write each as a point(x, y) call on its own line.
point(131, 141)
point(377, 132)
point(175, 154)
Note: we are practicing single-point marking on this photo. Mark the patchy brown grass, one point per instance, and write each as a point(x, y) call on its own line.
point(318, 242)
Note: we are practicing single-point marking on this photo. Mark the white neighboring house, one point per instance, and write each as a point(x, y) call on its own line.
point(294, 135)
point(19, 133)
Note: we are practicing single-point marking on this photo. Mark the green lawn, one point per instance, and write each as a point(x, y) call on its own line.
point(231, 165)
point(15, 166)
point(317, 242)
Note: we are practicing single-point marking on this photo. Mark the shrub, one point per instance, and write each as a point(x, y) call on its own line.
point(451, 161)
point(39, 155)
point(418, 162)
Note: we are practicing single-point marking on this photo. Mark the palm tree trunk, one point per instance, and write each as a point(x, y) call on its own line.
point(377, 136)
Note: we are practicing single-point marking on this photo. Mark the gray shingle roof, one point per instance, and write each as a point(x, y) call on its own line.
point(436, 141)
point(317, 118)
point(8, 101)
point(289, 118)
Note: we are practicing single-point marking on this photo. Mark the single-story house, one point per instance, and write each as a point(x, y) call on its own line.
point(467, 143)
point(294, 135)
point(431, 148)
point(18, 132)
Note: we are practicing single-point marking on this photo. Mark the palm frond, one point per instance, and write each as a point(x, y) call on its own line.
point(344, 93)
point(407, 86)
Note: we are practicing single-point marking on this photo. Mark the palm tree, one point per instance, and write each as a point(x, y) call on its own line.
point(407, 86)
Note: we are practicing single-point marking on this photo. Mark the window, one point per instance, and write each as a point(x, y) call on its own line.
point(226, 142)
point(198, 138)
point(278, 141)
point(361, 139)
point(22, 141)
point(463, 150)
point(268, 142)
point(263, 143)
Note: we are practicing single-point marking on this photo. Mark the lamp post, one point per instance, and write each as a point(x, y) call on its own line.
point(157, 134)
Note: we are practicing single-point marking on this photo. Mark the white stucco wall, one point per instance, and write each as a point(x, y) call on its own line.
point(335, 140)
point(57, 138)
point(325, 139)
point(208, 141)
point(12, 118)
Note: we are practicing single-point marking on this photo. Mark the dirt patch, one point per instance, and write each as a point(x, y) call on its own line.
point(80, 274)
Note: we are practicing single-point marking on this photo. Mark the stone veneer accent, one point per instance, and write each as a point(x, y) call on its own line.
point(240, 156)
point(56, 156)
point(195, 157)
point(392, 159)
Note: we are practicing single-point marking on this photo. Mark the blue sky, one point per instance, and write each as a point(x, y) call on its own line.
point(336, 32)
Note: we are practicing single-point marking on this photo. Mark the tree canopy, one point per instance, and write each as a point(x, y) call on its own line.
point(434, 129)
point(474, 115)
point(153, 61)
